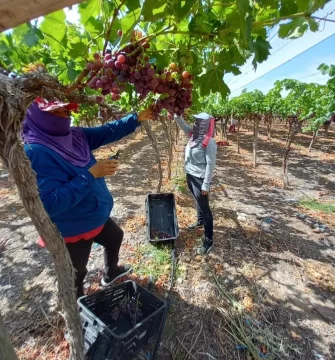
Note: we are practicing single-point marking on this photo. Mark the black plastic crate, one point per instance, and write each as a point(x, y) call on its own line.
point(109, 339)
point(162, 223)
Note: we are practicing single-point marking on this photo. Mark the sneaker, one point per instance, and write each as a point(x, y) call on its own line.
point(197, 225)
point(205, 248)
point(121, 271)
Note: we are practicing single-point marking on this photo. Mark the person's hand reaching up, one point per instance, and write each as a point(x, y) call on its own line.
point(104, 168)
point(145, 115)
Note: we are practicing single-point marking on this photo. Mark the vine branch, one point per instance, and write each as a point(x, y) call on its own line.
point(80, 77)
point(108, 32)
point(42, 84)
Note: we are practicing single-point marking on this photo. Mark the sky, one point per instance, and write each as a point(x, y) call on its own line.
point(295, 59)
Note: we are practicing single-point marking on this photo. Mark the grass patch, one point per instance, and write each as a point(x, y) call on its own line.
point(155, 261)
point(312, 204)
point(180, 184)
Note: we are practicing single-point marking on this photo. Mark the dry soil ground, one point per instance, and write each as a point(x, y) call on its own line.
point(268, 285)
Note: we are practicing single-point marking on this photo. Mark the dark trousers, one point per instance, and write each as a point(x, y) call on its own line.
point(204, 212)
point(110, 238)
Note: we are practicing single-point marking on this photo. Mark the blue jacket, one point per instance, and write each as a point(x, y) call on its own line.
point(75, 201)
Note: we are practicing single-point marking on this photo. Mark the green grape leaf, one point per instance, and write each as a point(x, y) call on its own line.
point(87, 9)
point(114, 37)
point(305, 5)
point(161, 59)
point(54, 26)
point(294, 29)
point(133, 4)
point(200, 24)
point(4, 44)
point(128, 23)
point(245, 22)
point(94, 26)
point(288, 7)
point(234, 69)
point(261, 49)
point(20, 30)
point(196, 69)
point(313, 25)
point(195, 98)
point(243, 6)
point(77, 49)
point(212, 81)
point(149, 7)
point(179, 9)
point(67, 73)
point(32, 37)
point(71, 72)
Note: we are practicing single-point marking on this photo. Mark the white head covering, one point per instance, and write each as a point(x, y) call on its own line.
point(201, 129)
point(203, 116)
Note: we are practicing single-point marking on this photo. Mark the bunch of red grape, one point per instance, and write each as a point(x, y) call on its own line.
point(176, 91)
point(159, 235)
point(110, 74)
point(129, 307)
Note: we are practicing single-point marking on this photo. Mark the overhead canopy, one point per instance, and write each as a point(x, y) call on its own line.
point(17, 12)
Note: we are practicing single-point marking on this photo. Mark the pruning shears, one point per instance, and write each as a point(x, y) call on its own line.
point(115, 156)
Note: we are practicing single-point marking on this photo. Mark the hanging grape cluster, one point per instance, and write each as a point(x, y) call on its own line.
point(111, 73)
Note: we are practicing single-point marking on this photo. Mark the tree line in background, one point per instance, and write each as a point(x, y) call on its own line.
point(303, 107)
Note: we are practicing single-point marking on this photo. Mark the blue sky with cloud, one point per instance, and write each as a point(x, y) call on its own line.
point(295, 59)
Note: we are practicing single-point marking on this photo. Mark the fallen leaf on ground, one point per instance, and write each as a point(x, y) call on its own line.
point(295, 335)
point(248, 303)
point(218, 268)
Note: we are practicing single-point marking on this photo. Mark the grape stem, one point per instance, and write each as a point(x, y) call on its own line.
point(109, 30)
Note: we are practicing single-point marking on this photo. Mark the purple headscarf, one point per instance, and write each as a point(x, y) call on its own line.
point(55, 132)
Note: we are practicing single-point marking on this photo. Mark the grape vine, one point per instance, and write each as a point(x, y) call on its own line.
point(113, 74)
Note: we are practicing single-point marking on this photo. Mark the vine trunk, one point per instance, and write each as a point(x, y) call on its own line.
point(13, 104)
